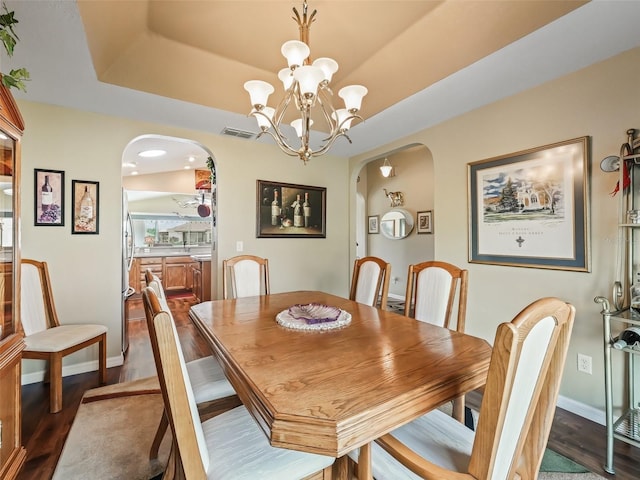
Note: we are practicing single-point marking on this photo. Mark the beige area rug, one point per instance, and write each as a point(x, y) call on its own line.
point(112, 433)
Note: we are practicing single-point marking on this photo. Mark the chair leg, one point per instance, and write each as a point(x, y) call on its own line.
point(102, 359)
point(55, 387)
point(157, 440)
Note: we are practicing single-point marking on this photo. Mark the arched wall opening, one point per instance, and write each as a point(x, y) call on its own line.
point(413, 177)
point(168, 194)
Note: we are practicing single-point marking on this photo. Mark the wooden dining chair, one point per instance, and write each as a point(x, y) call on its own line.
point(431, 292)
point(245, 276)
point(230, 445)
point(370, 281)
point(47, 339)
point(517, 410)
point(212, 391)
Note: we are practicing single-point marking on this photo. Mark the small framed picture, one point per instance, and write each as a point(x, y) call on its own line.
point(85, 200)
point(373, 223)
point(49, 197)
point(425, 222)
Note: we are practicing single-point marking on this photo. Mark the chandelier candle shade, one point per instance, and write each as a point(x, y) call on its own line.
point(306, 87)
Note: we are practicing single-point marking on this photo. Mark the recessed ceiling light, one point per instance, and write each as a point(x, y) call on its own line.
point(187, 167)
point(192, 158)
point(129, 164)
point(135, 172)
point(151, 153)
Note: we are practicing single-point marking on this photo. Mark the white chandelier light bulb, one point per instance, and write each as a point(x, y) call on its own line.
point(295, 52)
point(259, 92)
point(308, 77)
point(263, 123)
point(286, 78)
point(352, 96)
point(328, 65)
point(386, 168)
point(298, 125)
point(339, 116)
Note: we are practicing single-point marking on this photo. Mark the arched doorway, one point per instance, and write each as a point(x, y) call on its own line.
point(413, 177)
point(168, 211)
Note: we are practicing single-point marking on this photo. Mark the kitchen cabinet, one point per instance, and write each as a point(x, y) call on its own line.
point(176, 273)
point(134, 275)
point(155, 264)
point(12, 453)
point(620, 376)
point(202, 280)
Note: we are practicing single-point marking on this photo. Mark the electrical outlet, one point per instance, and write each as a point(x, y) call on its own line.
point(584, 363)
point(239, 246)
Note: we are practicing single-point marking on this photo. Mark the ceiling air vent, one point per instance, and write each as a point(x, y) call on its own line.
point(234, 132)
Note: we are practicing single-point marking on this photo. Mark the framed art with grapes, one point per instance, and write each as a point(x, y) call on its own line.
point(287, 210)
point(48, 186)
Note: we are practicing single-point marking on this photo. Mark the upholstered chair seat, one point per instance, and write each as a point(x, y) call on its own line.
point(62, 337)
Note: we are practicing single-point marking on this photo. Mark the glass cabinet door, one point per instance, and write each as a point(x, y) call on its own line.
point(7, 162)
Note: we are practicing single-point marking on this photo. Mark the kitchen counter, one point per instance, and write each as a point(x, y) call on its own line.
point(172, 252)
point(201, 257)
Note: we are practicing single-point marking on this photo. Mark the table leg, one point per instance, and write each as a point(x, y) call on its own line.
point(364, 463)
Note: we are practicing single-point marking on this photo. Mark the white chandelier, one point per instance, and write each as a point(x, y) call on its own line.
point(306, 86)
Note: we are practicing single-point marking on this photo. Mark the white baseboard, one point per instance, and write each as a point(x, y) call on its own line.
point(585, 411)
point(74, 369)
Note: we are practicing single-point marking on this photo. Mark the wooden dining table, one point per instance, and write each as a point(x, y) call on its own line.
point(331, 391)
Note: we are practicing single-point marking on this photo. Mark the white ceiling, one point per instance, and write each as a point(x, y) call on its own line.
point(53, 47)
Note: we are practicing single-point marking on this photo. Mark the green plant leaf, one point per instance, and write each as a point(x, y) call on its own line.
point(8, 41)
point(16, 79)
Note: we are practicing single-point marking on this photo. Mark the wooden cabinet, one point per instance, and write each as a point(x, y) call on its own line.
point(155, 264)
point(134, 275)
point(202, 280)
point(12, 453)
point(176, 273)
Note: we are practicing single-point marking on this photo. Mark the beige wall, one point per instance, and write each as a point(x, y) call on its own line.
point(85, 269)
point(414, 178)
point(600, 101)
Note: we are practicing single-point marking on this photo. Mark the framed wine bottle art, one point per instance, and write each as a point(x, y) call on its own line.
point(49, 197)
point(286, 210)
point(85, 199)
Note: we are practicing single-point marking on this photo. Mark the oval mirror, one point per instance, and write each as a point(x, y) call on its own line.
point(396, 224)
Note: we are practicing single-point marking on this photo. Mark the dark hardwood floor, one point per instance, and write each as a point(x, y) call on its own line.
point(44, 434)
